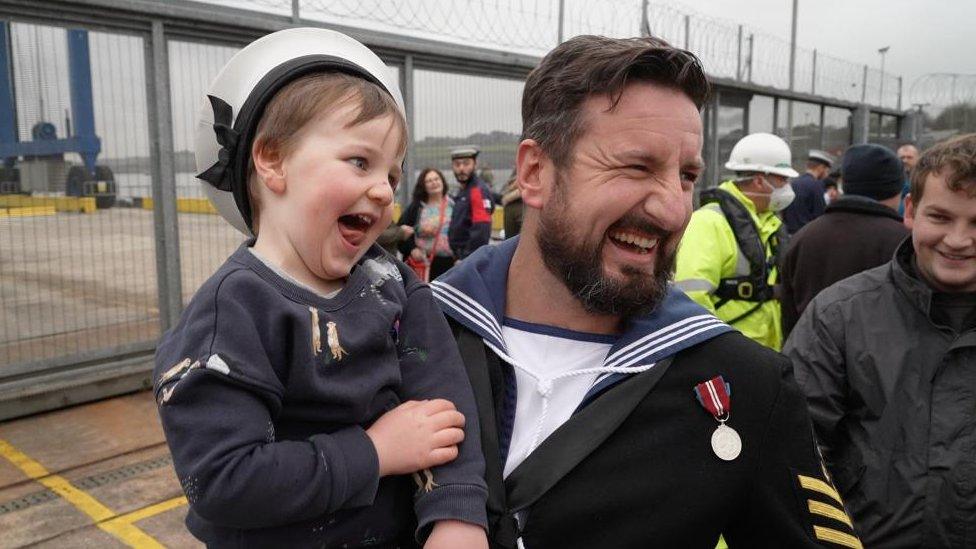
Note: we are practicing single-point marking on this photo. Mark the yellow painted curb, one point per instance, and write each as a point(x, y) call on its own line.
point(184, 205)
point(59, 203)
point(498, 218)
point(31, 211)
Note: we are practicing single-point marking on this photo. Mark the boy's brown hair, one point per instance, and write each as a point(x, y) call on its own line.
point(953, 159)
point(307, 98)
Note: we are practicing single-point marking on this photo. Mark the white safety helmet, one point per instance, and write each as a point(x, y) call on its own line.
point(236, 100)
point(762, 152)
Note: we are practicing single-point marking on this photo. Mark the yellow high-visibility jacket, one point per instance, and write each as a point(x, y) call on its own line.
point(709, 253)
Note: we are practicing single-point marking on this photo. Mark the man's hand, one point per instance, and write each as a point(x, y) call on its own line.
point(406, 231)
point(449, 534)
point(417, 254)
point(416, 436)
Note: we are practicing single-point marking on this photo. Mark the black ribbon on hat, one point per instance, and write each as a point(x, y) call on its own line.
point(227, 137)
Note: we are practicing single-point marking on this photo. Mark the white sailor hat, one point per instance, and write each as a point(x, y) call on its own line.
point(465, 151)
point(236, 100)
point(821, 156)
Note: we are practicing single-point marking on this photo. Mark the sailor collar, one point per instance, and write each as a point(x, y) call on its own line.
point(473, 294)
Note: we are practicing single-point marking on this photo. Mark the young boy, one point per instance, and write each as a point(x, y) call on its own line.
point(312, 374)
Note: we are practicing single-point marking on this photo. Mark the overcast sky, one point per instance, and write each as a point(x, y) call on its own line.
point(925, 36)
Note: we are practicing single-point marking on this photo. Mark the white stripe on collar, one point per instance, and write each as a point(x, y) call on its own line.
point(464, 305)
point(637, 349)
point(702, 327)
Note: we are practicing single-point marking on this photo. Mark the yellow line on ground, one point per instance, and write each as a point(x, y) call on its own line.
point(104, 518)
point(152, 510)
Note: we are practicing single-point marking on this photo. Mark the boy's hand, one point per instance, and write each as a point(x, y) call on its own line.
point(416, 436)
point(449, 534)
point(417, 254)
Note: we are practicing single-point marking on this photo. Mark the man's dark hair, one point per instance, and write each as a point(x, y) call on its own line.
point(953, 159)
point(584, 66)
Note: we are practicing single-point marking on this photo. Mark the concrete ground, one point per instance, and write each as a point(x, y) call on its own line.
point(96, 475)
point(73, 283)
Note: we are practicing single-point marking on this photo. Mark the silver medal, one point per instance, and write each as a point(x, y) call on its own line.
point(726, 442)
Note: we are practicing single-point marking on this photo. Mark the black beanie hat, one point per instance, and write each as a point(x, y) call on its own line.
point(873, 171)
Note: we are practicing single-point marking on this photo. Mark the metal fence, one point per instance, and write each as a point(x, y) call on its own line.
point(86, 286)
point(727, 48)
point(944, 104)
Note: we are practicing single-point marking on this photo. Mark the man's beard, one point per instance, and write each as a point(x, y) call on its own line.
point(462, 177)
point(579, 265)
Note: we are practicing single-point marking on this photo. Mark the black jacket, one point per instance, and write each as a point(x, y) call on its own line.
point(470, 226)
point(265, 390)
point(892, 393)
point(635, 468)
point(808, 204)
point(854, 234)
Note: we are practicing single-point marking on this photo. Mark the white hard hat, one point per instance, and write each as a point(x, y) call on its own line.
point(236, 100)
point(762, 152)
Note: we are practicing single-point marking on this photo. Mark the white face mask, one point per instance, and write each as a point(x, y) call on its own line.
point(781, 197)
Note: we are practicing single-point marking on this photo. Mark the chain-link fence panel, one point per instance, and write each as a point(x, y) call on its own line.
point(727, 48)
point(944, 105)
point(459, 109)
point(206, 240)
point(77, 275)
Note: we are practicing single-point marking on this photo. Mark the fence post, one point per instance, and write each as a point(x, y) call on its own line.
point(296, 18)
point(864, 85)
point(559, 31)
point(407, 89)
point(687, 31)
point(899, 93)
point(751, 41)
point(823, 109)
point(165, 221)
point(738, 56)
point(813, 79)
point(861, 125)
point(645, 29)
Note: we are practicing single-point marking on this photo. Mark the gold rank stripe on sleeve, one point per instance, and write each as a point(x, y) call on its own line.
point(829, 511)
point(820, 486)
point(840, 538)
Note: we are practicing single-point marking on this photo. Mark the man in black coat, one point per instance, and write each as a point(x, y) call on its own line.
point(809, 190)
point(858, 231)
point(614, 411)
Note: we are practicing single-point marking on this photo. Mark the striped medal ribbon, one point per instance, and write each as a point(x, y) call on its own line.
point(715, 395)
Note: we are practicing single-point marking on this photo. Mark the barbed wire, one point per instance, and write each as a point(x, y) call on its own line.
point(727, 49)
point(943, 89)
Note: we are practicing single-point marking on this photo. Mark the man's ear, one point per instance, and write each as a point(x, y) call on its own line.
point(530, 162)
point(909, 219)
point(268, 165)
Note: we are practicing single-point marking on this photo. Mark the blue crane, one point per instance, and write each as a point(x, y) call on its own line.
point(46, 149)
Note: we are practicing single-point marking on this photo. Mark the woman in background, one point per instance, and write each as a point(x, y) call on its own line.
point(425, 222)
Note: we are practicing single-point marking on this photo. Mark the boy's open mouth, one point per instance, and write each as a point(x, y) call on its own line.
point(353, 227)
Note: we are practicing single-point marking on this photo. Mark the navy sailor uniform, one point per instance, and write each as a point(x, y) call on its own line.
point(633, 466)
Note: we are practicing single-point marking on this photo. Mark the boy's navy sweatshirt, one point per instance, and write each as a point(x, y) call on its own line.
point(265, 390)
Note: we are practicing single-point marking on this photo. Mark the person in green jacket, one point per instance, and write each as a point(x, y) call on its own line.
point(728, 255)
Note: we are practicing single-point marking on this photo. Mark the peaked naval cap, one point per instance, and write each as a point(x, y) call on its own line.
point(236, 100)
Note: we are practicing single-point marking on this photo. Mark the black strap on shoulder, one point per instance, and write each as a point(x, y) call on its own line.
point(754, 286)
point(583, 433)
point(487, 380)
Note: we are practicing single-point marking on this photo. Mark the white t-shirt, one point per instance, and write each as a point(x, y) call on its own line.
point(550, 364)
